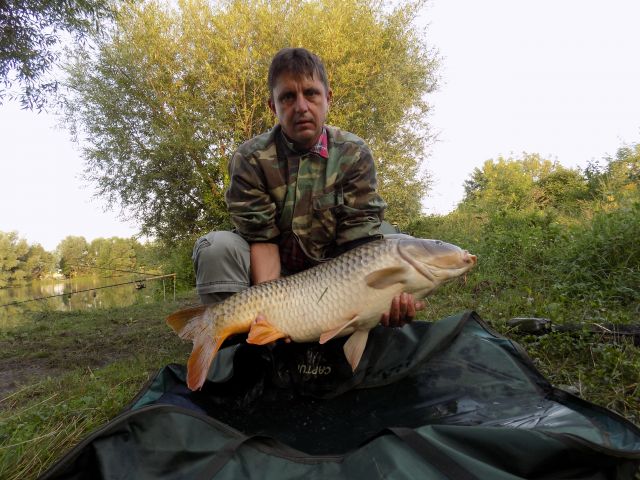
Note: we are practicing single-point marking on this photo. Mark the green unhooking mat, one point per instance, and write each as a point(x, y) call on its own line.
point(445, 400)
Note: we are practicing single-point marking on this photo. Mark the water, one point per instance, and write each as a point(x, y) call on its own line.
point(78, 294)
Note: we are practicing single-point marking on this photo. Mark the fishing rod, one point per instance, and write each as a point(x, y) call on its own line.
point(158, 277)
point(96, 268)
point(117, 270)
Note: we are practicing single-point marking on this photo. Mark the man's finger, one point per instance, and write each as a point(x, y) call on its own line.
point(411, 309)
point(402, 307)
point(394, 314)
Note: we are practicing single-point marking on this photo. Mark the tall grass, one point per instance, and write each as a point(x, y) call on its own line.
point(574, 268)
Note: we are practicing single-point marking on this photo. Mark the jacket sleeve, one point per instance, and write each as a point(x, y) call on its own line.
point(252, 210)
point(363, 209)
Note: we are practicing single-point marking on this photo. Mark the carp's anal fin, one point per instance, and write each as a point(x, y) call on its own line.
point(180, 321)
point(329, 334)
point(386, 277)
point(262, 332)
point(354, 347)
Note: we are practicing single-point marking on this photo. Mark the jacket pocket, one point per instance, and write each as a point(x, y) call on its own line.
point(324, 218)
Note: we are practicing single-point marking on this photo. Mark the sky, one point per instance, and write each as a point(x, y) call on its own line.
point(556, 77)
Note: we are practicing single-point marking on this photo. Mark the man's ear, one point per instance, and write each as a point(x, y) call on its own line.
point(272, 106)
point(329, 96)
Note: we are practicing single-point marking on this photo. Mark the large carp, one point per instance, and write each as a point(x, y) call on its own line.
point(344, 296)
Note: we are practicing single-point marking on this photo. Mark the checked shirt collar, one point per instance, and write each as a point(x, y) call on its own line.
point(320, 148)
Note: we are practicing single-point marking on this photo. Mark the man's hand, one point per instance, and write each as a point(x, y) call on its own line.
point(403, 310)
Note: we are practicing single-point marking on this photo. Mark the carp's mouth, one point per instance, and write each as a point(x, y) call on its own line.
point(443, 261)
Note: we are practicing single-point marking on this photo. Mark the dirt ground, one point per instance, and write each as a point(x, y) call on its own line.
point(15, 374)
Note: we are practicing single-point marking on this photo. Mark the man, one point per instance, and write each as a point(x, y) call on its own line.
point(300, 194)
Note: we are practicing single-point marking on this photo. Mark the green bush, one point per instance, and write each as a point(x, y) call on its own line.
point(518, 247)
point(602, 260)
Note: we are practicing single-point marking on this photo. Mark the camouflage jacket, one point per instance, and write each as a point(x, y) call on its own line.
point(326, 203)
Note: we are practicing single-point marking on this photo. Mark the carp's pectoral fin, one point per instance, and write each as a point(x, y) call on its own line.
point(262, 332)
point(354, 347)
point(386, 277)
point(329, 334)
point(181, 321)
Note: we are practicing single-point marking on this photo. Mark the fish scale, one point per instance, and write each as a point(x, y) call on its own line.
point(343, 296)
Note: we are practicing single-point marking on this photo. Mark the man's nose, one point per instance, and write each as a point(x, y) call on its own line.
point(301, 104)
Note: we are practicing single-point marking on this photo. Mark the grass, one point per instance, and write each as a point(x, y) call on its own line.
point(73, 372)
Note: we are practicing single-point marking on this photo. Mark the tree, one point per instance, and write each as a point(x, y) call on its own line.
point(173, 91)
point(73, 253)
point(110, 255)
point(31, 33)
point(39, 263)
point(621, 179)
point(20, 262)
point(564, 189)
point(617, 181)
point(13, 251)
point(530, 182)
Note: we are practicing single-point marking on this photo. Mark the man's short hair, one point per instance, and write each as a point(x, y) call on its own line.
point(298, 62)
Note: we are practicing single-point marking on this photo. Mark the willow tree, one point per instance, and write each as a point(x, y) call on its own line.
point(31, 34)
point(161, 103)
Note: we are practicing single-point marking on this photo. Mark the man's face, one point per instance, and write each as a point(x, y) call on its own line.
point(301, 105)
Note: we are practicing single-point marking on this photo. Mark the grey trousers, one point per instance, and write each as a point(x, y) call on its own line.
point(221, 261)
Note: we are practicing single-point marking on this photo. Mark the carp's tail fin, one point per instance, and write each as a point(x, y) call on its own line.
point(194, 324)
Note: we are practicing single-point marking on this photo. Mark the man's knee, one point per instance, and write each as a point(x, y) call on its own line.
point(221, 261)
point(219, 246)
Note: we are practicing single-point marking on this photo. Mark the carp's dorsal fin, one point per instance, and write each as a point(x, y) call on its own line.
point(386, 277)
point(354, 347)
point(329, 334)
point(262, 332)
point(180, 320)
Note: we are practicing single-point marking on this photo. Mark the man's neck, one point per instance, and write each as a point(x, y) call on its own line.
point(319, 146)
